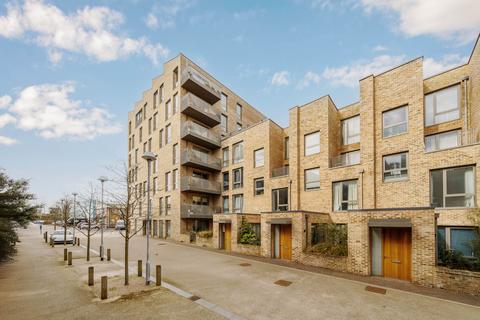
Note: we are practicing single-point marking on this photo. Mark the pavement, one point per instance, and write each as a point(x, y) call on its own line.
point(254, 289)
point(38, 284)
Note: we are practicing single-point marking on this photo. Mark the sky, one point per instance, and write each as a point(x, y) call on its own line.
point(71, 70)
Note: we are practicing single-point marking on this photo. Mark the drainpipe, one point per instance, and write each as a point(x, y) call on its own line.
point(465, 109)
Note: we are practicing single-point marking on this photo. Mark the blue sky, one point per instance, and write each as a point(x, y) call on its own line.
point(71, 70)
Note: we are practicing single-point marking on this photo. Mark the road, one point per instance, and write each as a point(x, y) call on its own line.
point(251, 292)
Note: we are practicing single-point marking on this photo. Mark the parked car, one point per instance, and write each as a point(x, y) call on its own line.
point(84, 226)
point(58, 236)
point(120, 225)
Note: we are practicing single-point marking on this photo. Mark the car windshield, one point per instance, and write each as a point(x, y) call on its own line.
point(58, 233)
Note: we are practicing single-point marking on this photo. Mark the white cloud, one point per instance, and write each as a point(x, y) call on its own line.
point(164, 14)
point(6, 141)
point(55, 56)
point(379, 48)
point(248, 14)
point(349, 75)
point(5, 101)
point(432, 66)
point(457, 19)
point(281, 78)
point(49, 110)
point(91, 31)
point(309, 78)
point(151, 21)
point(6, 119)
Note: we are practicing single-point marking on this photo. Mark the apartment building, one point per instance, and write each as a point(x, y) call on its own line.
point(398, 170)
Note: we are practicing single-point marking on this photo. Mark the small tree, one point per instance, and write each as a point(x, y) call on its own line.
point(87, 206)
point(247, 234)
point(64, 207)
point(55, 215)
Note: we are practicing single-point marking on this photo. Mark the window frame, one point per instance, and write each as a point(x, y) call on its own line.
point(405, 106)
point(238, 107)
point(234, 197)
point(227, 198)
point(286, 149)
point(168, 134)
point(224, 106)
point(224, 128)
point(444, 187)
point(305, 136)
point(305, 179)
point(226, 186)
point(258, 191)
point(448, 239)
point(278, 205)
point(434, 104)
point(436, 137)
point(342, 201)
point(237, 184)
point(394, 179)
point(234, 147)
point(225, 161)
point(255, 165)
point(345, 127)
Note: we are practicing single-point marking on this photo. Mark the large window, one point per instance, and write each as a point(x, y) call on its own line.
point(224, 123)
point(395, 166)
point(168, 134)
point(238, 152)
point(238, 178)
point(226, 181)
point(238, 111)
point(175, 179)
point(238, 203)
point(225, 155)
point(167, 181)
point(259, 186)
point(442, 106)
point(175, 154)
point(395, 121)
point(459, 239)
point(168, 109)
point(225, 205)
point(285, 149)
point(312, 143)
point(224, 100)
point(345, 195)
point(138, 118)
point(453, 187)
point(443, 140)
point(280, 199)
point(312, 178)
point(259, 158)
point(351, 130)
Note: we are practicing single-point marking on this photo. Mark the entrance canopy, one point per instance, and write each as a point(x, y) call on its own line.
point(390, 223)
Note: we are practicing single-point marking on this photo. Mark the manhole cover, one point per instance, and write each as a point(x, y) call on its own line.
point(375, 289)
point(245, 264)
point(283, 283)
point(194, 298)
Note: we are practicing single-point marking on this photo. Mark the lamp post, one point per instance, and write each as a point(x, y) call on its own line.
point(102, 223)
point(74, 214)
point(149, 157)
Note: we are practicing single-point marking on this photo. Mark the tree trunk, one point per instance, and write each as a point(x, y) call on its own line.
point(64, 232)
point(126, 258)
point(88, 244)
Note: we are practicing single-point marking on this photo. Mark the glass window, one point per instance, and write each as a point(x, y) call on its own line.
point(259, 157)
point(167, 181)
point(345, 195)
point(226, 181)
point(175, 77)
point(140, 135)
point(175, 103)
point(160, 94)
point(453, 187)
point(161, 204)
point(150, 126)
point(225, 205)
point(238, 178)
point(160, 138)
point(225, 154)
point(238, 152)
point(238, 203)
point(138, 118)
point(200, 200)
point(312, 178)
point(155, 99)
point(259, 186)
point(443, 140)
point(312, 143)
point(168, 134)
point(224, 100)
point(223, 123)
point(280, 199)
point(168, 204)
point(175, 155)
point(239, 126)
point(395, 167)
point(238, 111)
point(168, 109)
point(351, 130)
point(175, 179)
point(285, 148)
point(395, 122)
point(459, 239)
point(442, 106)
point(155, 121)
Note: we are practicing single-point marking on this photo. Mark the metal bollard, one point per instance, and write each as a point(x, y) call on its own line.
point(78, 242)
point(104, 288)
point(158, 275)
point(65, 254)
point(90, 276)
point(108, 255)
point(70, 258)
point(45, 236)
point(139, 268)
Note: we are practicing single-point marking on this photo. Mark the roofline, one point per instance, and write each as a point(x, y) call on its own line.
point(232, 134)
point(474, 47)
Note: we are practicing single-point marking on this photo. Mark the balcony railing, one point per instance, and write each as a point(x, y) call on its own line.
point(197, 211)
point(200, 135)
point(200, 110)
point(463, 138)
point(200, 160)
point(194, 82)
point(194, 184)
point(345, 159)
point(280, 172)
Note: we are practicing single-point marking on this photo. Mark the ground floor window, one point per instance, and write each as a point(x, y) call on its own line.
point(329, 239)
point(458, 247)
point(249, 233)
point(345, 195)
point(280, 199)
point(453, 187)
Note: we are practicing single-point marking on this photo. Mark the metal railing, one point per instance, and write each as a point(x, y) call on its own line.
point(193, 210)
point(344, 159)
point(199, 184)
point(191, 73)
point(191, 155)
point(196, 129)
point(464, 138)
point(280, 172)
point(190, 100)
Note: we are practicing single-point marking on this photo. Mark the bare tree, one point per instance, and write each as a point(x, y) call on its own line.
point(87, 206)
point(127, 201)
point(54, 213)
point(64, 206)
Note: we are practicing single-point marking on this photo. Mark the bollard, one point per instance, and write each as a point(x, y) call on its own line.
point(78, 242)
point(139, 268)
point(108, 254)
point(158, 275)
point(45, 236)
point(90, 276)
point(70, 258)
point(65, 254)
point(104, 288)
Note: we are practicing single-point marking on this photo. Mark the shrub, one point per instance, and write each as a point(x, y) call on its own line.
point(455, 260)
point(329, 239)
point(247, 234)
point(205, 234)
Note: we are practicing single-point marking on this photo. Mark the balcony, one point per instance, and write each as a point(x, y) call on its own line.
point(194, 184)
point(197, 211)
point(280, 172)
point(197, 84)
point(200, 110)
point(200, 135)
point(345, 159)
point(197, 159)
point(451, 139)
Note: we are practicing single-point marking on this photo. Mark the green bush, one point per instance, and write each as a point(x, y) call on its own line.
point(455, 260)
point(8, 238)
point(330, 239)
point(247, 234)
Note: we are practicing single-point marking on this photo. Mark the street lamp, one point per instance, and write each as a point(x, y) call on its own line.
point(149, 156)
point(102, 180)
point(74, 214)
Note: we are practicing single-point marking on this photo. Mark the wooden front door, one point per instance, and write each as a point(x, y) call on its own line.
point(397, 253)
point(227, 237)
point(286, 241)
